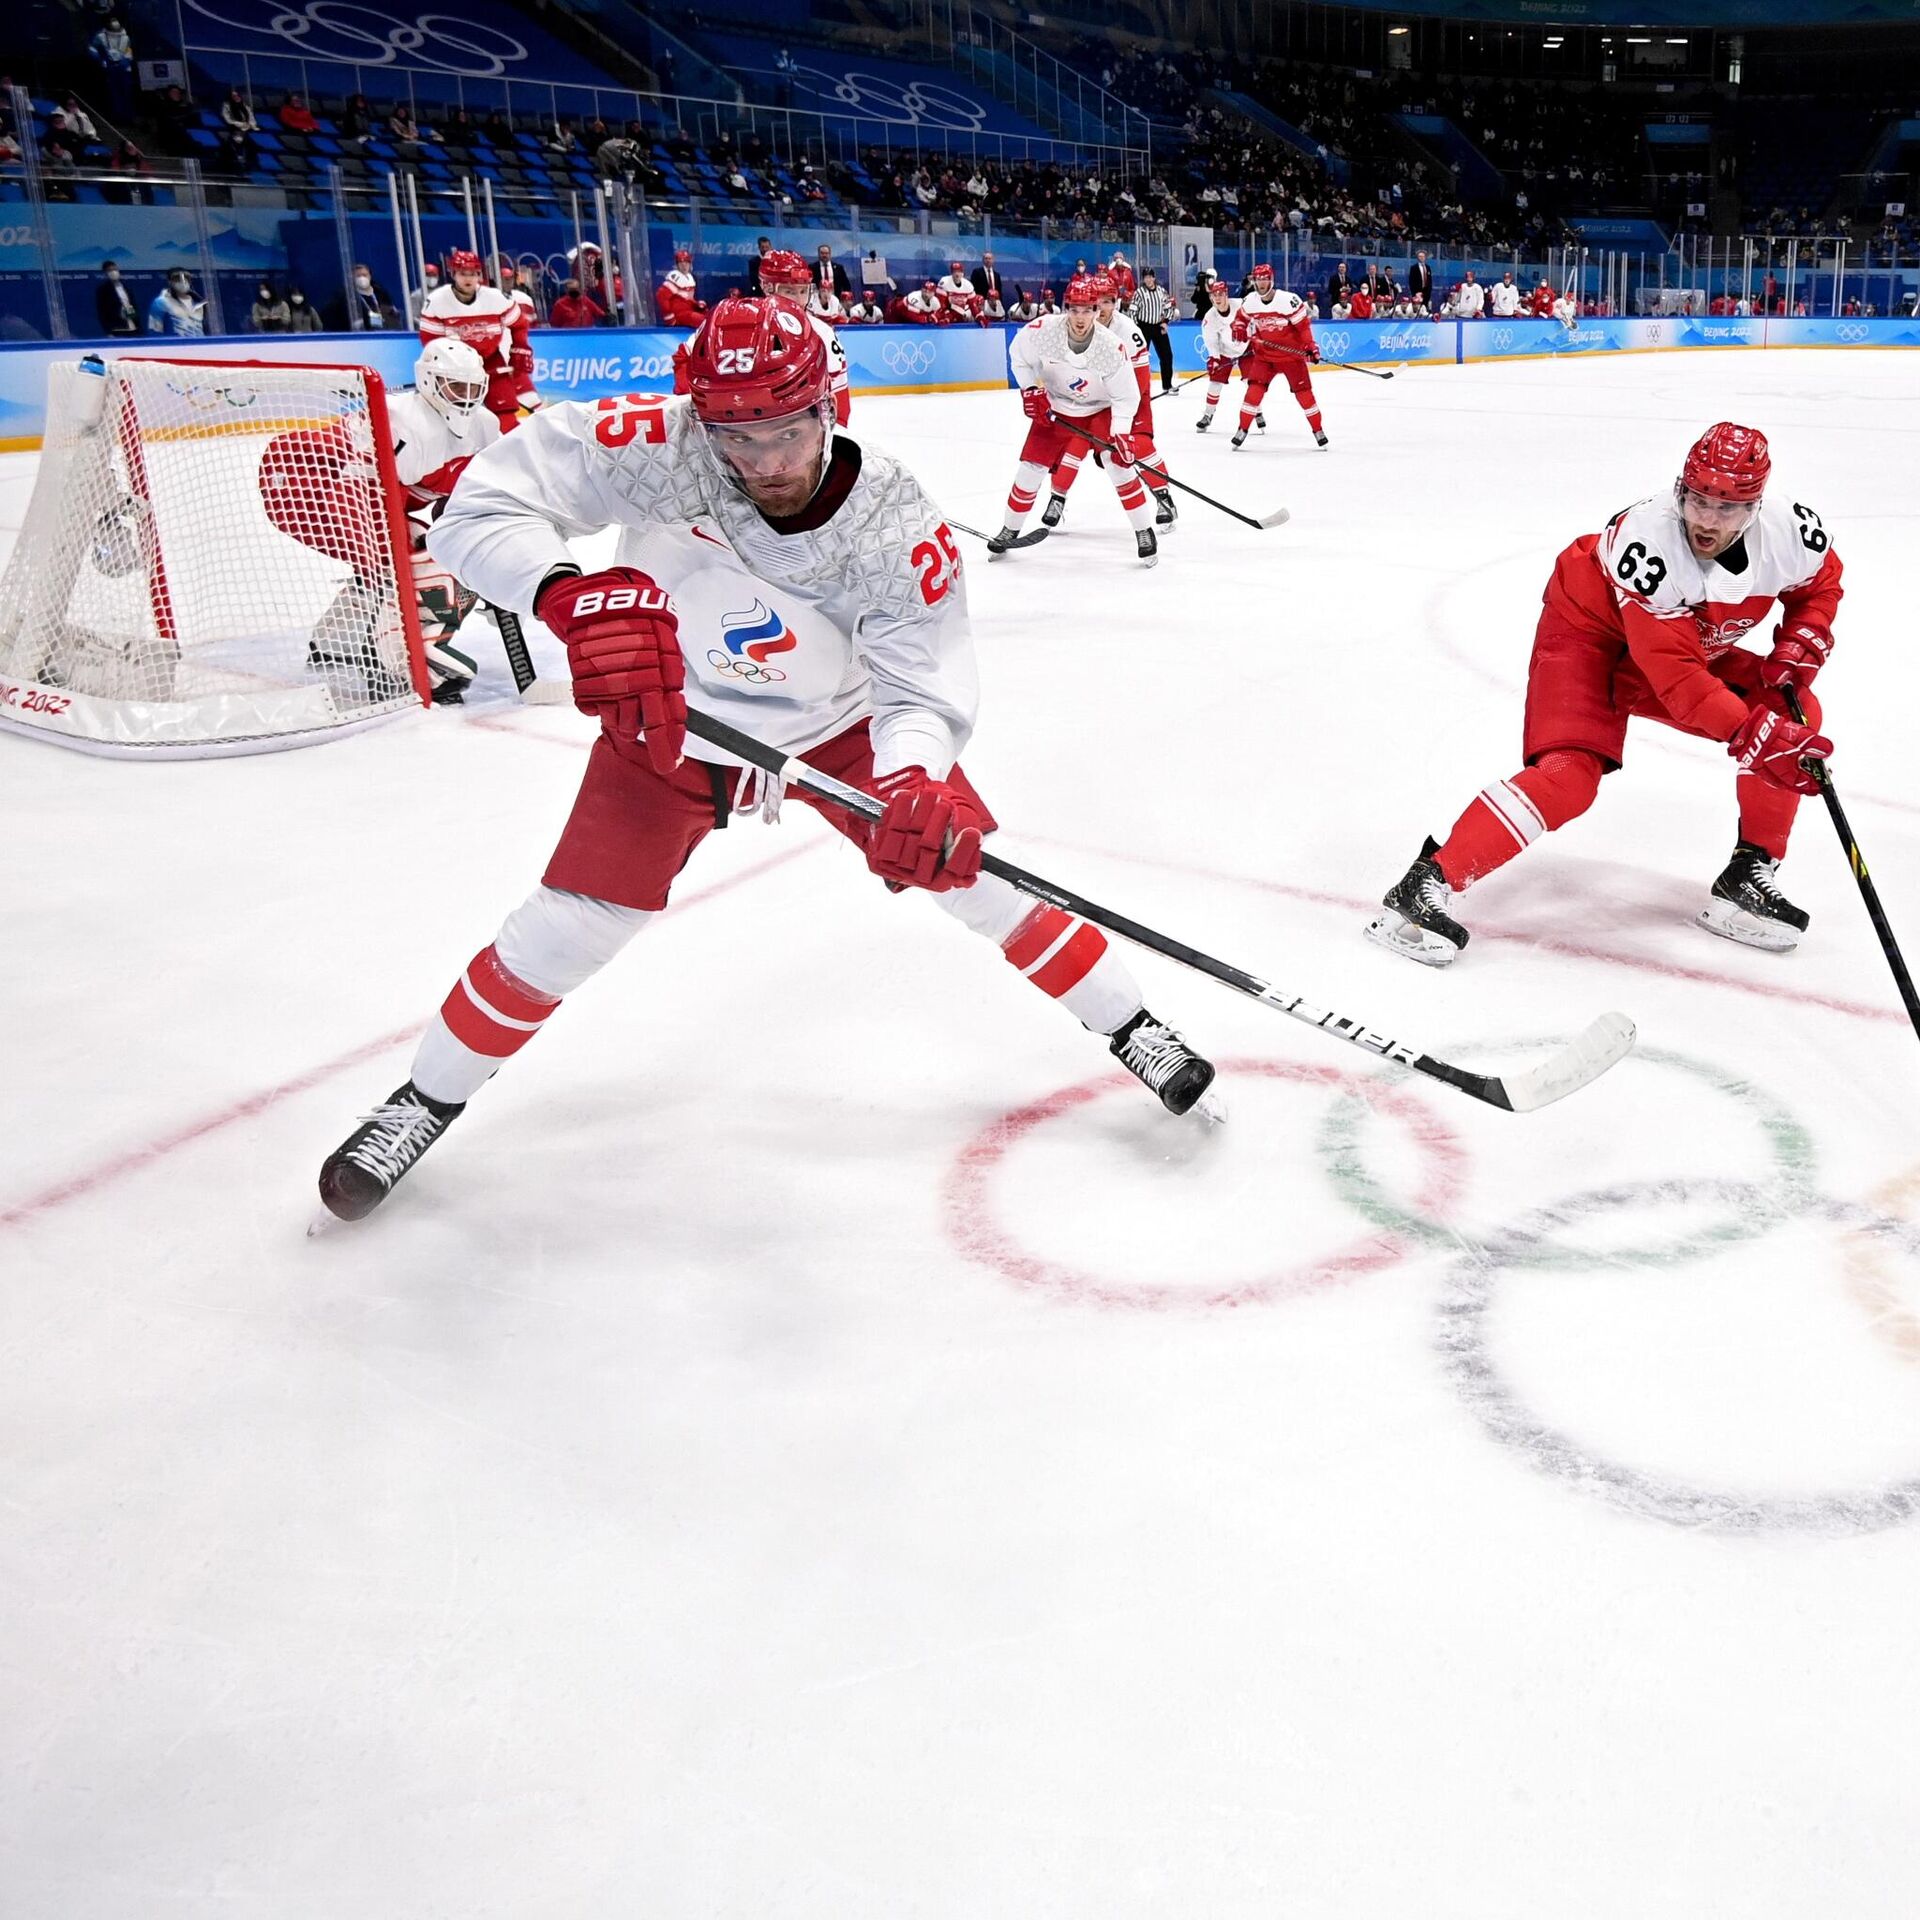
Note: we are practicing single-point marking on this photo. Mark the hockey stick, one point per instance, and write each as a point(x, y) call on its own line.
point(1278, 517)
point(1032, 539)
point(1582, 1059)
point(1345, 366)
point(1875, 911)
point(526, 682)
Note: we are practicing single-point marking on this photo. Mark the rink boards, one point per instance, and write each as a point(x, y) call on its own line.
point(585, 365)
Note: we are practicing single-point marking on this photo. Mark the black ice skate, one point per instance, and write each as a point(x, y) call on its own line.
point(379, 1153)
point(1240, 438)
point(1260, 421)
point(1204, 422)
point(1147, 546)
point(1748, 906)
point(1165, 513)
point(1055, 507)
point(1414, 920)
point(1164, 1064)
point(1319, 438)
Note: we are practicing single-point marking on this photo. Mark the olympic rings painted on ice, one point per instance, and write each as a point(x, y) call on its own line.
point(972, 1222)
point(478, 52)
point(1504, 1415)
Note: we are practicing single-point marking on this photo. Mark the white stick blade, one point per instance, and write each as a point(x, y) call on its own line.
point(1584, 1059)
point(1277, 518)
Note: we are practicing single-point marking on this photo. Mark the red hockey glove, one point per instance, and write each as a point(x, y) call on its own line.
point(623, 645)
point(1242, 328)
point(1799, 653)
point(1120, 450)
point(1773, 746)
point(929, 835)
point(1219, 369)
point(1034, 399)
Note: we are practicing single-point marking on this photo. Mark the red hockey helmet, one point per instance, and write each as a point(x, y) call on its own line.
point(683, 253)
point(957, 266)
point(1263, 271)
point(1083, 290)
point(464, 260)
point(756, 360)
point(1728, 463)
point(782, 269)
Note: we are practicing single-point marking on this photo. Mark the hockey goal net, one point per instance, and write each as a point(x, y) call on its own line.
point(214, 561)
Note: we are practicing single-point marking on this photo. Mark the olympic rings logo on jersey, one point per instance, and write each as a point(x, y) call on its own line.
point(754, 672)
point(751, 638)
point(917, 103)
point(487, 51)
point(1851, 333)
point(907, 356)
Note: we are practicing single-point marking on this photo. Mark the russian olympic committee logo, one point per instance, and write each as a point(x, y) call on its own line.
point(1851, 333)
point(750, 638)
point(365, 37)
point(907, 356)
point(1336, 346)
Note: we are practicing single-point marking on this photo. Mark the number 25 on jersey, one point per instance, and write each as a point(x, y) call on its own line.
point(937, 561)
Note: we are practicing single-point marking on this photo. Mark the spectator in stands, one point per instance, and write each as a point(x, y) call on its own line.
point(986, 282)
point(295, 116)
point(418, 298)
point(111, 50)
point(229, 160)
point(304, 319)
point(498, 130)
point(355, 124)
point(269, 312)
point(563, 140)
point(173, 114)
point(236, 113)
point(575, 309)
point(460, 134)
point(595, 135)
point(61, 149)
point(79, 120)
point(112, 304)
point(404, 131)
point(130, 190)
point(175, 310)
point(829, 273)
point(364, 303)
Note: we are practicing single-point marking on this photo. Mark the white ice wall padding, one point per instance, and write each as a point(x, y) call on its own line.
point(209, 562)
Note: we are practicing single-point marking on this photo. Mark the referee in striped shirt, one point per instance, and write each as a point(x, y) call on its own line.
point(1151, 306)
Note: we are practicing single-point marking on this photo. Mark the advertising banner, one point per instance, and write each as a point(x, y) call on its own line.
point(1189, 249)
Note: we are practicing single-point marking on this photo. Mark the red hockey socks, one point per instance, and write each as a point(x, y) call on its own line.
point(1506, 818)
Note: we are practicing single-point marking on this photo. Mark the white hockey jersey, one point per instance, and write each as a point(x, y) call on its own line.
point(791, 636)
point(1133, 343)
point(428, 455)
point(1079, 382)
point(487, 322)
point(1216, 333)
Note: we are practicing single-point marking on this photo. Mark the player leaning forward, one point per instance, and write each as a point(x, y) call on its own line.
point(1070, 368)
point(770, 573)
point(1640, 621)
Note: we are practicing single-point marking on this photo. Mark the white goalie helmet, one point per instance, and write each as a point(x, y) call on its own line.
point(449, 377)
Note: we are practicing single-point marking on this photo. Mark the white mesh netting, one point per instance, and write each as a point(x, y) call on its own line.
point(208, 561)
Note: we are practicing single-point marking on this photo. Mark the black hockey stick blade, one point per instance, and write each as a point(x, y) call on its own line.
point(1583, 1059)
point(1275, 519)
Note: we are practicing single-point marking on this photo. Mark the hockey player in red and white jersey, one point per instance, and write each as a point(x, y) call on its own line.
point(677, 299)
point(520, 346)
point(1222, 350)
point(957, 295)
point(491, 322)
point(1276, 328)
point(771, 573)
point(1070, 368)
point(784, 275)
point(924, 306)
point(1152, 464)
point(1642, 621)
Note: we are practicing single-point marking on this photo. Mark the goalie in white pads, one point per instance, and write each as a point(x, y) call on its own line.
point(1070, 368)
point(770, 573)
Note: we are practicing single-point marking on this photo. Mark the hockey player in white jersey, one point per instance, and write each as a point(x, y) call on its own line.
point(437, 429)
point(770, 573)
point(1070, 368)
point(1222, 350)
point(1151, 462)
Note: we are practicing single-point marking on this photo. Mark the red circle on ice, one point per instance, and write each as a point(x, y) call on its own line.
point(979, 1234)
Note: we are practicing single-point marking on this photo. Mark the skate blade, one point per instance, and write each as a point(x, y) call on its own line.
point(1399, 935)
point(1210, 1107)
point(324, 1223)
point(1746, 929)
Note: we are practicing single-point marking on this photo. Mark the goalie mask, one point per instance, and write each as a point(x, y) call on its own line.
point(762, 389)
point(450, 378)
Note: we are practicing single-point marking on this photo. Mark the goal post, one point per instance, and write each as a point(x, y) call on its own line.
point(214, 561)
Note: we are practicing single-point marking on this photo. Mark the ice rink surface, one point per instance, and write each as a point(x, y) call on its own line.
point(811, 1442)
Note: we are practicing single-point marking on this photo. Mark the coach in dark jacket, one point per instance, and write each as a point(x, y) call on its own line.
point(829, 273)
point(112, 303)
point(1339, 288)
point(1420, 280)
point(987, 282)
